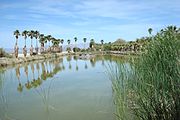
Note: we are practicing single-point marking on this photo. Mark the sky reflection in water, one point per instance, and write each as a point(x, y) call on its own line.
point(65, 88)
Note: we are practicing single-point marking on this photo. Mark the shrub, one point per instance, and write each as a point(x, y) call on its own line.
point(68, 49)
point(3, 53)
point(75, 49)
point(83, 50)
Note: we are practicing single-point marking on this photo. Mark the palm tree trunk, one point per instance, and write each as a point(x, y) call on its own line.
point(36, 43)
point(16, 41)
point(25, 42)
point(49, 47)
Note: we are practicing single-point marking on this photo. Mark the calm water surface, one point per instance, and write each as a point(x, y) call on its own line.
point(57, 89)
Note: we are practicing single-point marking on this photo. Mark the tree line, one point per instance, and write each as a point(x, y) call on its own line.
point(44, 40)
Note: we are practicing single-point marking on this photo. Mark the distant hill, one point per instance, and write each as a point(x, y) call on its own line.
point(119, 41)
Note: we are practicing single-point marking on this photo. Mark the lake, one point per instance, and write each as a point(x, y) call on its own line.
point(66, 88)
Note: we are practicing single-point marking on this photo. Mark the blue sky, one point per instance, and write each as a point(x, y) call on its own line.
point(98, 19)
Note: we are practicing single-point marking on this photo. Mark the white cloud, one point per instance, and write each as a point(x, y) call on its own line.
point(117, 9)
point(99, 19)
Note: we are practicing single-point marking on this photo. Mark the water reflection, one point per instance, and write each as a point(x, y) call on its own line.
point(44, 94)
point(47, 69)
point(69, 58)
point(85, 65)
point(58, 97)
point(4, 115)
point(76, 59)
point(20, 86)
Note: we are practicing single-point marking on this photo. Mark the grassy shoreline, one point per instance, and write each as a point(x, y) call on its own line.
point(149, 88)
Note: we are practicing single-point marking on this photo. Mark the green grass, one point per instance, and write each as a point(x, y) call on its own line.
point(150, 88)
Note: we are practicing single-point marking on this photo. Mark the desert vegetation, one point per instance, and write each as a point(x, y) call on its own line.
point(149, 88)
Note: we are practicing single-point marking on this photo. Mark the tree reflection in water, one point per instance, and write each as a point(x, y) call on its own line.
point(47, 72)
point(69, 58)
point(20, 86)
point(85, 65)
point(41, 79)
point(76, 59)
point(4, 114)
point(44, 93)
point(47, 69)
point(28, 84)
point(93, 62)
point(3, 98)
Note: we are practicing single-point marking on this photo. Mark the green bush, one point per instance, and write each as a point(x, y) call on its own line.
point(83, 50)
point(3, 53)
point(68, 49)
point(75, 49)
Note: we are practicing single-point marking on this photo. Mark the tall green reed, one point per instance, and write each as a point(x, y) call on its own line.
point(120, 73)
point(154, 82)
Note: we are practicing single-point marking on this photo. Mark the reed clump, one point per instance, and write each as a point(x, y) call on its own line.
point(153, 87)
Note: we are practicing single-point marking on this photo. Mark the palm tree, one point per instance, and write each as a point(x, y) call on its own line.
point(75, 39)
point(84, 39)
point(62, 41)
point(45, 41)
point(49, 39)
point(36, 35)
point(92, 43)
point(69, 41)
point(41, 35)
point(17, 34)
point(102, 41)
point(31, 35)
point(53, 41)
point(150, 30)
point(59, 47)
point(42, 41)
point(25, 34)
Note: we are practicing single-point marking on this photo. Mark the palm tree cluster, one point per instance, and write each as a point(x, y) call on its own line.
point(53, 44)
point(133, 46)
point(139, 45)
point(41, 38)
